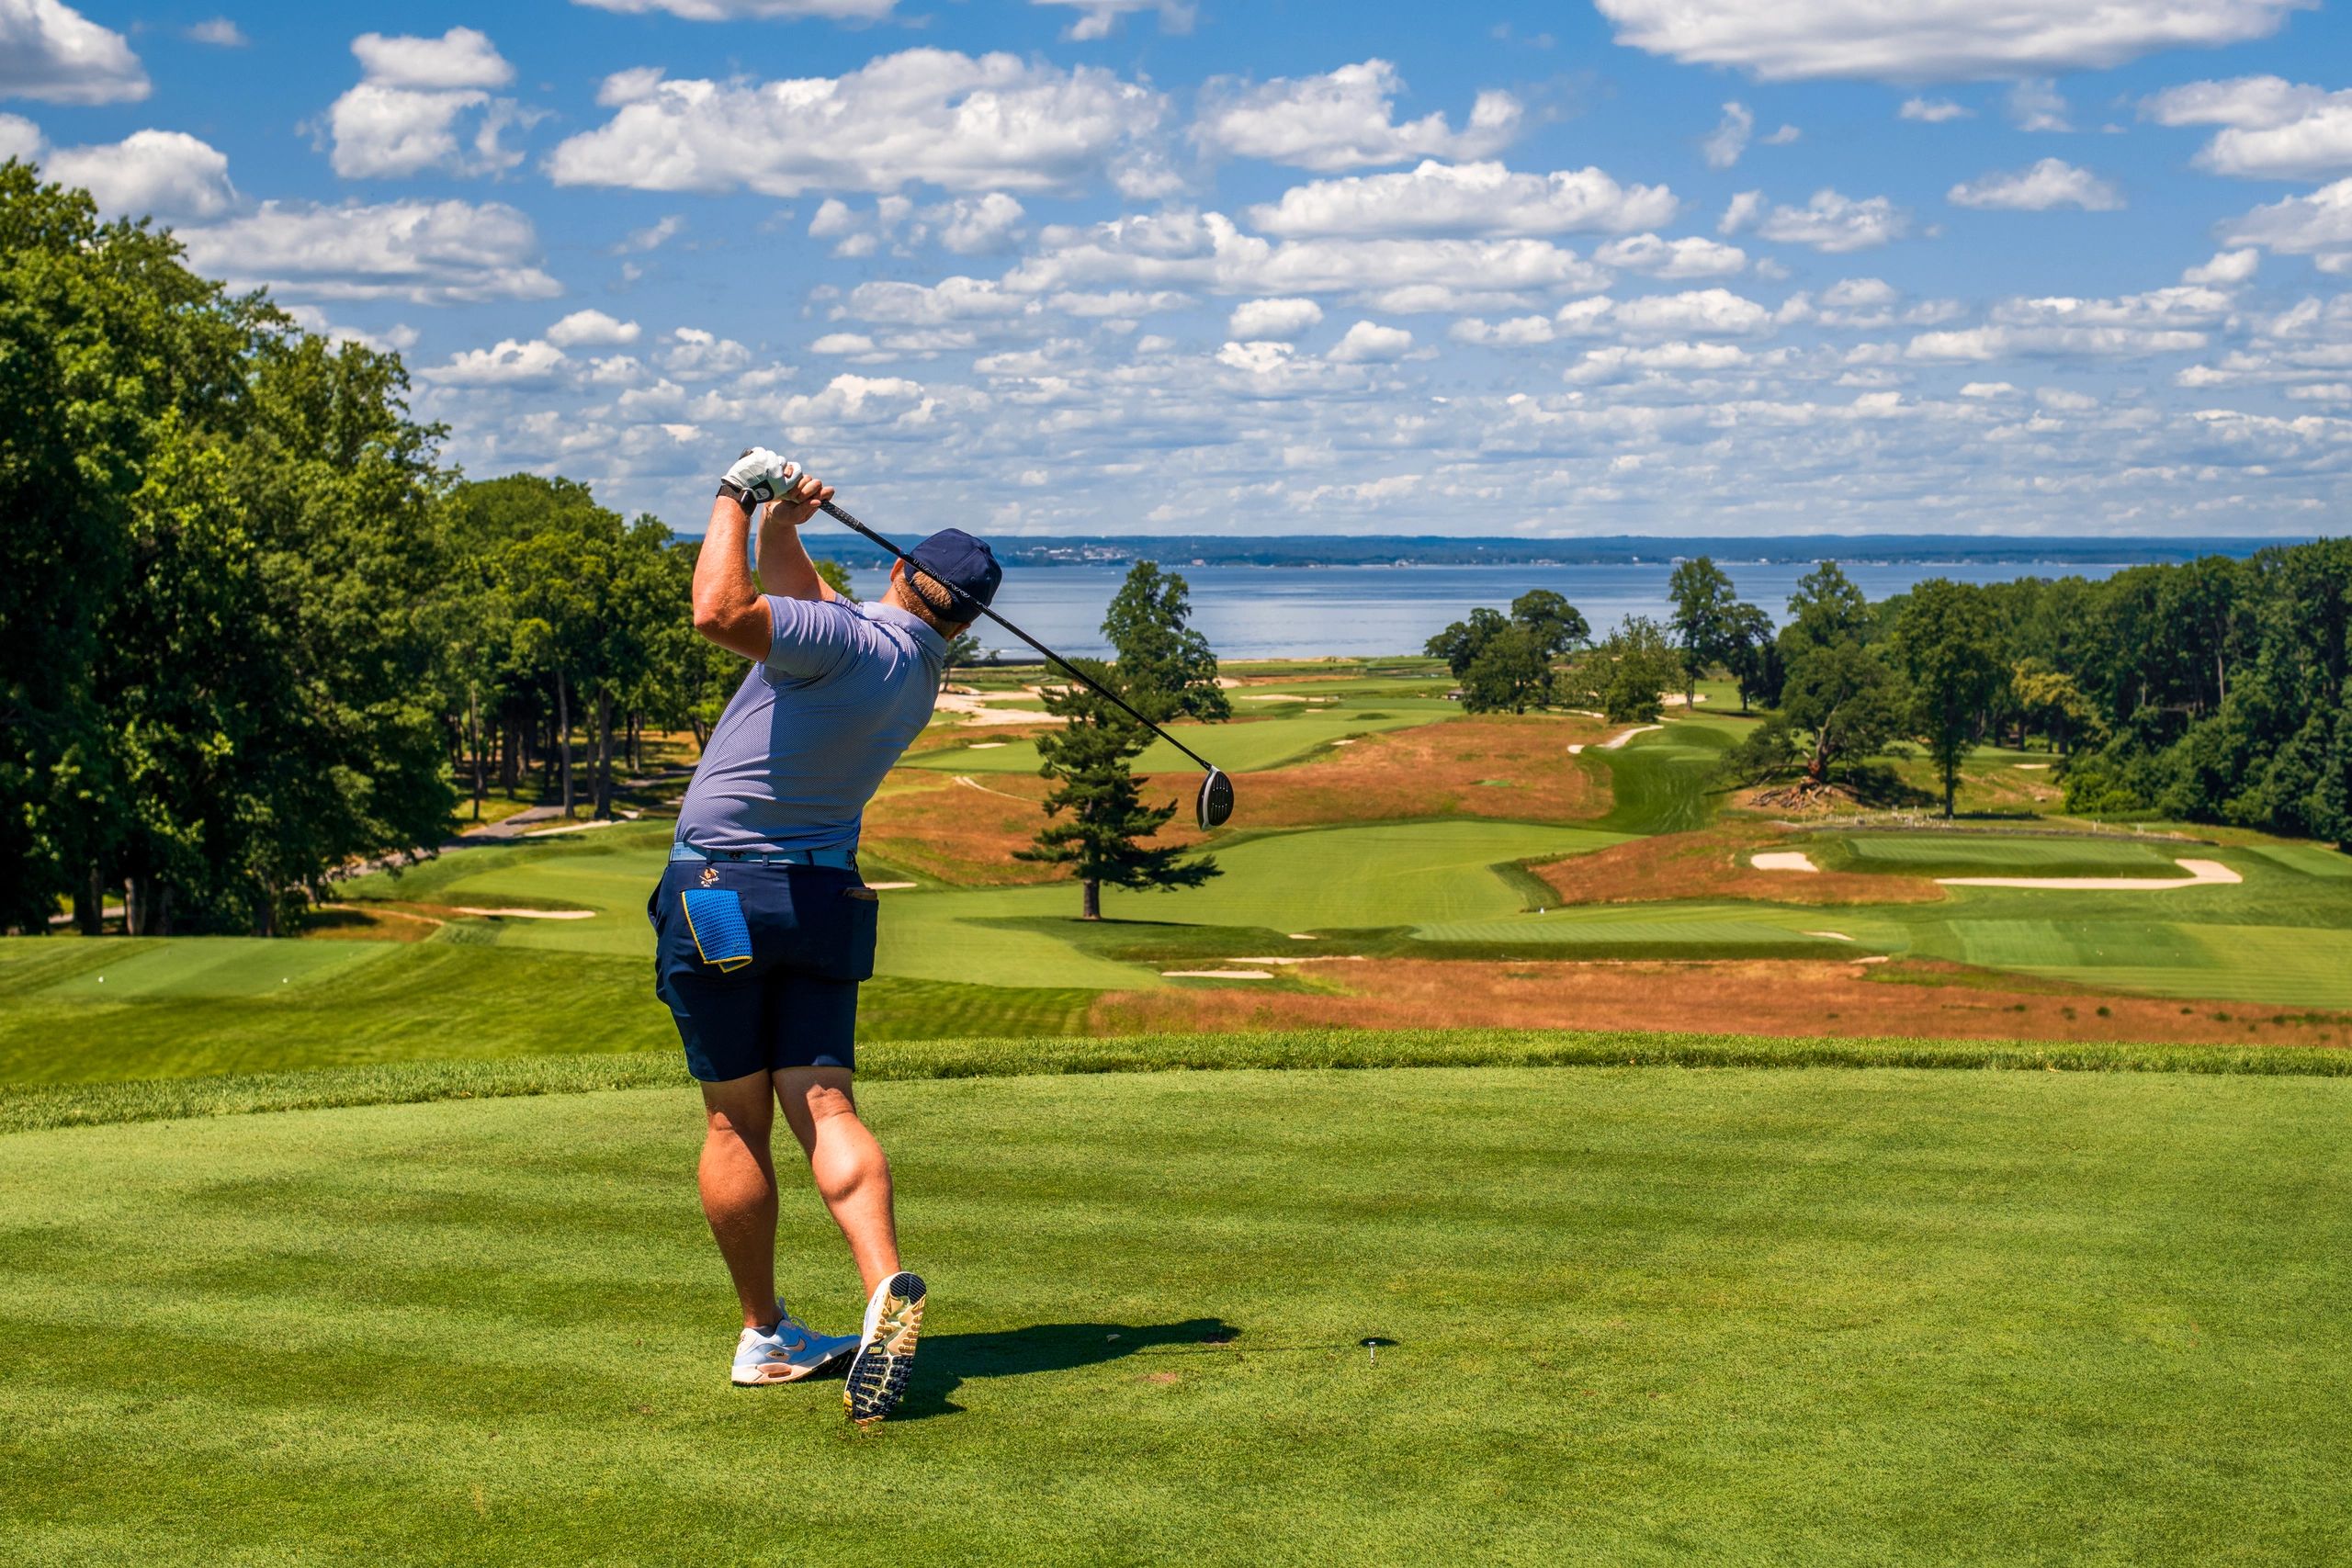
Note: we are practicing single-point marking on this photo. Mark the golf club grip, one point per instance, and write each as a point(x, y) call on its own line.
point(838, 515)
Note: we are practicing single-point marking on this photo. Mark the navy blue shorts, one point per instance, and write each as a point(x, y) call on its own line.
point(779, 989)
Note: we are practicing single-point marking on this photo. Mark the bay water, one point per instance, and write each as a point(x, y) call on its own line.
point(1255, 612)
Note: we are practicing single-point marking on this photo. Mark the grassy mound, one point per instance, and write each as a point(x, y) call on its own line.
point(1642, 1319)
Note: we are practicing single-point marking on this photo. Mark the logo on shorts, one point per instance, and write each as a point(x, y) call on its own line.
point(709, 875)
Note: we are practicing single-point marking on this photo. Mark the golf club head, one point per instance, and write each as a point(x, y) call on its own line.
point(1215, 803)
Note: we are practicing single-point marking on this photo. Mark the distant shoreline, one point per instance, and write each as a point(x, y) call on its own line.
point(1294, 551)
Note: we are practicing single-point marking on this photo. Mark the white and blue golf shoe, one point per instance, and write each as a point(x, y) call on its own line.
point(786, 1352)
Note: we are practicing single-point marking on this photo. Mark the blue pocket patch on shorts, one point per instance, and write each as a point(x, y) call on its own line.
point(715, 917)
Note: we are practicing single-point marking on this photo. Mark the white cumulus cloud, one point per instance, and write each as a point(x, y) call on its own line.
point(1830, 222)
point(1724, 144)
point(1098, 19)
point(922, 116)
point(2050, 183)
point(462, 57)
point(584, 329)
point(1934, 112)
point(51, 52)
point(435, 253)
point(162, 173)
point(2226, 268)
point(1690, 256)
point(2318, 225)
point(509, 364)
point(2273, 128)
point(1369, 343)
point(1273, 319)
point(1343, 119)
point(404, 115)
point(1465, 198)
point(1933, 40)
point(217, 31)
point(2039, 106)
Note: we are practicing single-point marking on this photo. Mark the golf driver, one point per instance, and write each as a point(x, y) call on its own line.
point(1213, 804)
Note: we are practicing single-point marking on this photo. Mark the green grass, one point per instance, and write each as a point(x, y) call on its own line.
point(2311, 859)
point(1665, 781)
point(1646, 1317)
point(35, 1107)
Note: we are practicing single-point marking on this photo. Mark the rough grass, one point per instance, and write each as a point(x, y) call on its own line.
point(1644, 1317)
point(1252, 742)
point(1804, 997)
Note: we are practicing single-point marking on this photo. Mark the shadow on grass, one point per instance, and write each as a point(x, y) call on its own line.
point(946, 1361)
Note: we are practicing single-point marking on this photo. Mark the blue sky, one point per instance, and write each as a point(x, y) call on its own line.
point(1692, 267)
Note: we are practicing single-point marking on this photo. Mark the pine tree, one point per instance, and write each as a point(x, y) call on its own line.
point(1100, 819)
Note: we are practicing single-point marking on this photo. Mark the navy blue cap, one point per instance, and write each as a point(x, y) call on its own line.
point(964, 566)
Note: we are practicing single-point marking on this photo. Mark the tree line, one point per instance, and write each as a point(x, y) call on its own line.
point(2210, 690)
point(252, 630)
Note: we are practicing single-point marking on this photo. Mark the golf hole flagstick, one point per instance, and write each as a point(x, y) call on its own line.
point(1215, 803)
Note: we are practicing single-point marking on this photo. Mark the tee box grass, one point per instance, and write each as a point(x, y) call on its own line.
point(1624, 1315)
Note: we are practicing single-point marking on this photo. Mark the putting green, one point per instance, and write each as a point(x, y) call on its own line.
point(1396, 874)
point(1629, 1316)
point(1970, 855)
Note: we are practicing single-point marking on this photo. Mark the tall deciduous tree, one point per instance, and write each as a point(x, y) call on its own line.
point(1703, 604)
point(1628, 672)
point(1945, 639)
point(1166, 668)
point(1845, 697)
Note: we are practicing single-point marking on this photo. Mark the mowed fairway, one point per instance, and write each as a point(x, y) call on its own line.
point(1635, 1316)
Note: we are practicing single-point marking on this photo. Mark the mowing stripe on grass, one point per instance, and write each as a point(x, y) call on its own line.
point(27, 1109)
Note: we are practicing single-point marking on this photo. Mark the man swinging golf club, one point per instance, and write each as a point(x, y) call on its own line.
point(763, 928)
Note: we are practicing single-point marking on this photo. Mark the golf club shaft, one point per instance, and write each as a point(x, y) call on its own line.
point(838, 515)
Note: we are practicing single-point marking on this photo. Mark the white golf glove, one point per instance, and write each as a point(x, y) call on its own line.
point(758, 476)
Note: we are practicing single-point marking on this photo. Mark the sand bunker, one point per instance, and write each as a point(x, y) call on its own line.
point(1614, 741)
point(1217, 973)
point(529, 914)
point(1833, 936)
point(890, 887)
point(1783, 860)
point(973, 709)
point(2202, 874)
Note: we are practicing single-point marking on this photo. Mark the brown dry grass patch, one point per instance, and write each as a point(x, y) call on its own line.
point(1795, 998)
point(924, 821)
point(1517, 769)
point(1713, 863)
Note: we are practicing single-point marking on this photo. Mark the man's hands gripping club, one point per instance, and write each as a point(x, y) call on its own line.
point(761, 476)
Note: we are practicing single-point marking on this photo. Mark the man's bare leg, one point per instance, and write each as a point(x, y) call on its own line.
point(851, 1174)
point(738, 1179)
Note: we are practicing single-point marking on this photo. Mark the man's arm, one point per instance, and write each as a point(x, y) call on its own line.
point(785, 570)
point(728, 607)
